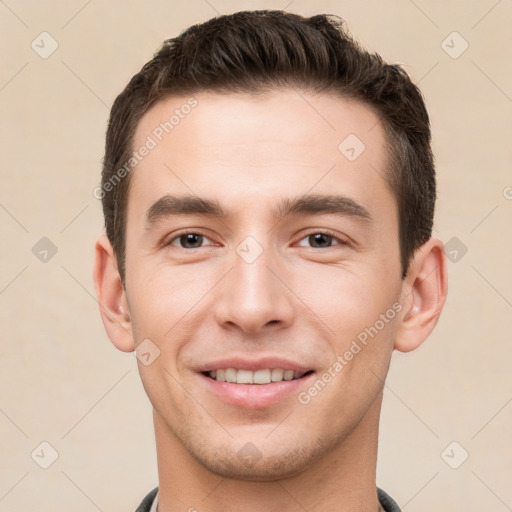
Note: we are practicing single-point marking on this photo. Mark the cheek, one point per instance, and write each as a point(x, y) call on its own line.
point(164, 305)
point(346, 300)
point(163, 299)
point(357, 313)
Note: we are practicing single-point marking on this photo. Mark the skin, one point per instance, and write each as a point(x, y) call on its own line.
point(296, 300)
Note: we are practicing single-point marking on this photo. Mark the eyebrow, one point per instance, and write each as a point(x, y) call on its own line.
point(311, 204)
point(316, 204)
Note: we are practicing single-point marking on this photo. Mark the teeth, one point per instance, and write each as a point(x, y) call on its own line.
point(277, 374)
point(244, 377)
point(229, 375)
point(249, 377)
point(261, 377)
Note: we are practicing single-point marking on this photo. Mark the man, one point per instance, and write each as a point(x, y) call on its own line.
point(268, 190)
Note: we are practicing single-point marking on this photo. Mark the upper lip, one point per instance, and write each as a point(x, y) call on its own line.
point(261, 363)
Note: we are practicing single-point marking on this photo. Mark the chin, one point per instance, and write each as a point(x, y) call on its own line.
point(249, 464)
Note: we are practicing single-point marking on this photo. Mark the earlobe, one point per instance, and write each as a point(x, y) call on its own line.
point(423, 296)
point(111, 296)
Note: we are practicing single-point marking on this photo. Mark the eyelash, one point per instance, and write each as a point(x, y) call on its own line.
point(330, 234)
point(185, 233)
point(327, 232)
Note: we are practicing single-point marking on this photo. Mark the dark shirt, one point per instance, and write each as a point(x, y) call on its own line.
point(386, 501)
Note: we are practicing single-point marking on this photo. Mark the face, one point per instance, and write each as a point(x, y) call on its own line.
point(262, 246)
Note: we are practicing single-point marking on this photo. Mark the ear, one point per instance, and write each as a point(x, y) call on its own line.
point(423, 295)
point(111, 296)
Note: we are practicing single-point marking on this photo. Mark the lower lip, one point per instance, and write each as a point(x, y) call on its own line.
point(254, 396)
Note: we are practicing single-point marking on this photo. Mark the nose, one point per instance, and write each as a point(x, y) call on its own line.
point(254, 296)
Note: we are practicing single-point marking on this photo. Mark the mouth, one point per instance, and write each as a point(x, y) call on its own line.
point(261, 376)
point(248, 384)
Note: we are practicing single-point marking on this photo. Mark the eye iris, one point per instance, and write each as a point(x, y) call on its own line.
point(191, 240)
point(320, 240)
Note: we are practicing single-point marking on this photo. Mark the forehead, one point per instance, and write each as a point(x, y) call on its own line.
point(259, 147)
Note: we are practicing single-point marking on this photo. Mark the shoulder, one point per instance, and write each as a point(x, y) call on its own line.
point(387, 502)
point(145, 506)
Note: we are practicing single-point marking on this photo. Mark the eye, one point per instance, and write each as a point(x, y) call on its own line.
point(320, 240)
point(189, 240)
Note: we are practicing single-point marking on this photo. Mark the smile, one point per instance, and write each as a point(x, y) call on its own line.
point(263, 376)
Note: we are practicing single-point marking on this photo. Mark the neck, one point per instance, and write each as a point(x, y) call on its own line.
point(342, 480)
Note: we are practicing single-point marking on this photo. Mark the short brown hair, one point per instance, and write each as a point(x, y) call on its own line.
point(254, 51)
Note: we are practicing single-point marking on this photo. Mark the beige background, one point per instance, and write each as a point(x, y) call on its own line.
point(63, 382)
